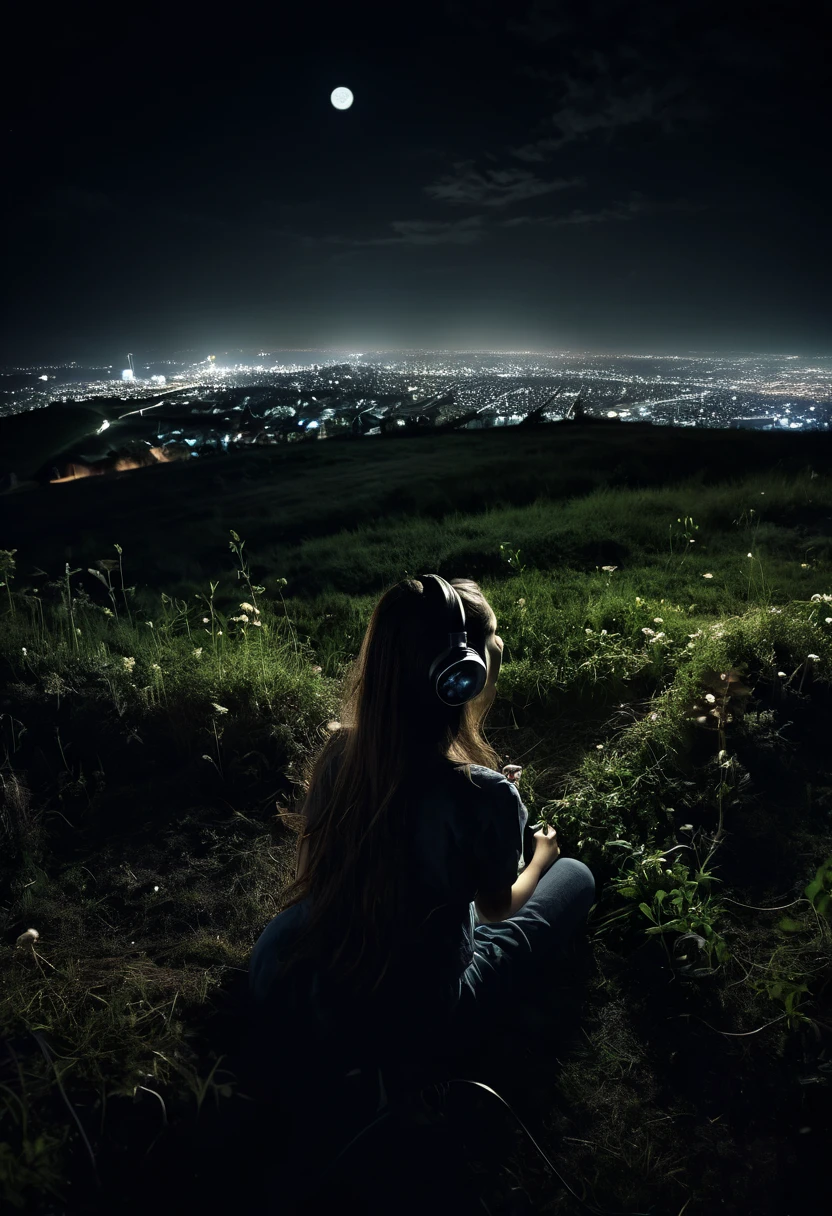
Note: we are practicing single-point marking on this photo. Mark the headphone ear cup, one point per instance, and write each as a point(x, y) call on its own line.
point(466, 678)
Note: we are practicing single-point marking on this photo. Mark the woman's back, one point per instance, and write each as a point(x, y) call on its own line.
point(460, 836)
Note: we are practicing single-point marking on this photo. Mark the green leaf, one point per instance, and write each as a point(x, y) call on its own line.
point(645, 909)
point(789, 925)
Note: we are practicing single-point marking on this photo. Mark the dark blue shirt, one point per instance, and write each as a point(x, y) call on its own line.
point(467, 836)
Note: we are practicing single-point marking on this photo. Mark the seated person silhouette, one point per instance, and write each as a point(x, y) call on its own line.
point(412, 919)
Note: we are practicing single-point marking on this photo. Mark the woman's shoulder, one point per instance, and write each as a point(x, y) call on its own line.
point(480, 774)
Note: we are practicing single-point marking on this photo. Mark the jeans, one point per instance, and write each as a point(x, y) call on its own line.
point(511, 954)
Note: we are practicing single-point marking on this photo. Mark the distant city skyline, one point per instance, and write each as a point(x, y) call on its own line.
point(544, 177)
point(193, 354)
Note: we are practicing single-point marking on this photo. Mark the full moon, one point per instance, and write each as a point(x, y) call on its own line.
point(341, 98)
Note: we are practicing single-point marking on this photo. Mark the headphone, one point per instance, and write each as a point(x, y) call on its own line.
point(459, 673)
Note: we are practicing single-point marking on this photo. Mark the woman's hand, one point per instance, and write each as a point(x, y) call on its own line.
point(546, 851)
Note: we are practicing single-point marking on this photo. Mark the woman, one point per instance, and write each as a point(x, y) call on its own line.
point(409, 923)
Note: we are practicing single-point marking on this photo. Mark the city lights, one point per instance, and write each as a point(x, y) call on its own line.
point(231, 401)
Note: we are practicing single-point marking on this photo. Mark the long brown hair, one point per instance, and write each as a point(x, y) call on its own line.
point(392, 725)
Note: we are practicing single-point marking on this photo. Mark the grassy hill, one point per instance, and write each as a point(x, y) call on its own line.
point(665, 599)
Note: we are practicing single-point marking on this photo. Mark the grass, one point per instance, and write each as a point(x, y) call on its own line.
point(149, 736)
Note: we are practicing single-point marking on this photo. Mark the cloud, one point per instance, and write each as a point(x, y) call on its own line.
point(432, 232)
point(638, 204)
point(494, 187)
point(409, 233)
point(537, 150)
point(594, 107)
point(477, 228)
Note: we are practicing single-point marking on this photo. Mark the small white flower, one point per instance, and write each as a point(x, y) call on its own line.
point(828, 620)
point(257, 623)
point(707, 576)
point(155, 666)
point(599, 747)
point(782, 675)
point(813, 656)
point(658, 620)
point(316, 670)
point(653, 717)
point(24, 650)
point(219, 708)
point(609, 569)
point(691, 541)
point(155, 888)
point(646, 629)
point(658, 635)
point(603, 632)
point(248, 607)
point(686, 827)
point(804, 565)
point(521, 602)
point(748, 555)
point(205, 620)
point(197, 651)
point(587, 631)
point(219, 632)
point(710, 697)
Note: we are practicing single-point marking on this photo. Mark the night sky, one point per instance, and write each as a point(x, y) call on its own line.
point(601, 176)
